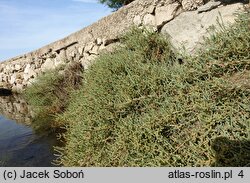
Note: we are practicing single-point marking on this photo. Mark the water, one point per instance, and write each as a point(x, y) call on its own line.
point(20, 145)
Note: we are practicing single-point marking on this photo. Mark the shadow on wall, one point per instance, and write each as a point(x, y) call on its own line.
point(231, 153)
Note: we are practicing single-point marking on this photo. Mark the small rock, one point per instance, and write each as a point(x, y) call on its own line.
point(26, 70)
point(189, 5)
point(149, 20)
point(19, 81)
point(48, 65)
point(18, 88)
point(98, 41)
point(89, 47)
point(81, 49)
point(94, 50)
point(12, 79)
point(102, 47)
point(137, 20)
point(18, 67)
point(165, 13)
point(30, 74)
point(59, 62)
point(209, 6)
point(150, 9)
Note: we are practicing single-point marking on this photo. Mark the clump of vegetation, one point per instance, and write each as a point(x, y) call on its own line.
point(50, 94)
point(139, 106)
point(227, 49)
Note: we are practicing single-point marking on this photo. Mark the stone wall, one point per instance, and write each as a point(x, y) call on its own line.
point(85, 45)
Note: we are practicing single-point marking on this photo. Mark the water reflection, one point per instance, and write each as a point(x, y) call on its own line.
point(19, 144)
point(15, 107)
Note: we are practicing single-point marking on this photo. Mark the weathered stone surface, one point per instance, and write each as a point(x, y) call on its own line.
point(150, 9)
point(18, 67)
point(209, 6)
point(165, 13)
point(13, 79)
point(112, 47)
point(1, 76)
point(189, 5)
point(89, 47)
point(19, 81)
point(30, 74)
point(62, 55)
point(3, 84)
point(137, 20)
point(81, 49)
point(18, 88)
point(86, 62)
point(99, 41)
point(27, 68)
point(72, 54)
point(149, 20)
point(48, 65)
point(189, 28)
point(94, 50)
point(59, 62)
point(38, 64)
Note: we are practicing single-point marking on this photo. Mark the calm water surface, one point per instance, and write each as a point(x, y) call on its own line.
point(20, 145)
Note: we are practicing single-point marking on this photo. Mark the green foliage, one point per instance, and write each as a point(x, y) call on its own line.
point(115, 4)
point(49, 95)
point(227, 49)
point(139, 107)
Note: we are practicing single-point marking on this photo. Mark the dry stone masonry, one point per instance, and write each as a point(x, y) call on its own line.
point(178, 19)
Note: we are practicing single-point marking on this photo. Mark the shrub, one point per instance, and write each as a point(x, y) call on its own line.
point(49, 95)
point(139, 107)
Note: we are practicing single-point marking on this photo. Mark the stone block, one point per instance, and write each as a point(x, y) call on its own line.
point(95, 50)
point(12, 79)
point(149, 19)
point(89, 47)
point(137, 20)
point(150, 9)
point(49, 64)
point(99, 41)
point(165, 13)
point(18, 88)
point(189, 5)
point(189, 28)
point(18, 67)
